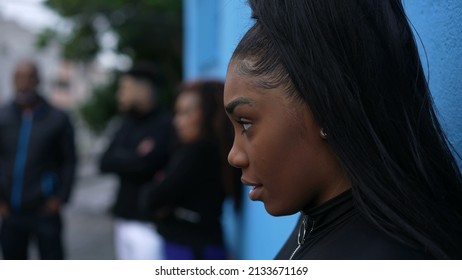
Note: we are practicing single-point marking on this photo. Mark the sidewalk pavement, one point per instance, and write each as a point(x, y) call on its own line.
point(88, 222)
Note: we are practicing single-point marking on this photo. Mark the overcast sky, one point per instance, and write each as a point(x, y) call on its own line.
point(35, 16)
point(32, 14)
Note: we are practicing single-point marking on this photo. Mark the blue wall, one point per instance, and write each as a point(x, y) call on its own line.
point(439, 24)
point(214, 27)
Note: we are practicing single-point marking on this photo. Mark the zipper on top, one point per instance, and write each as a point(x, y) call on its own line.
point(302, 234)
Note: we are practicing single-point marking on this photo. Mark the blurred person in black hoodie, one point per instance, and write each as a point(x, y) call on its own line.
point(139, 150)
point(187, 202)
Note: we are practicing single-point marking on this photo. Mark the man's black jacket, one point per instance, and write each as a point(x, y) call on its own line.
point(37, 156)
point(134, 169)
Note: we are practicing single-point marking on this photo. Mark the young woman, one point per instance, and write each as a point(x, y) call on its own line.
point(188, 200)
point(333, 117)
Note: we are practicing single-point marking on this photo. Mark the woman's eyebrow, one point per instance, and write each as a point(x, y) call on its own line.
point(237, 102)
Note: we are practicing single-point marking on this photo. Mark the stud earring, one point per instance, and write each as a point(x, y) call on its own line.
point(323, 133)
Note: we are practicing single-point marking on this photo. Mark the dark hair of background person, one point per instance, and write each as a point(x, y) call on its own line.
point(217, 127)
point(148, 73)
point(357, 67)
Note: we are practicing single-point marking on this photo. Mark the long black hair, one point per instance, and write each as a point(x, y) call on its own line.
point(357, 67)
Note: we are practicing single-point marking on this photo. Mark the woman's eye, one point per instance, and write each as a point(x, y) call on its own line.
point(245, 125)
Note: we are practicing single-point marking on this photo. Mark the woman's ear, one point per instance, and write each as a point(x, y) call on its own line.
point(323, 133)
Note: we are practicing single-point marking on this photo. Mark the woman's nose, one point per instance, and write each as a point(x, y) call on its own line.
point(237, 157)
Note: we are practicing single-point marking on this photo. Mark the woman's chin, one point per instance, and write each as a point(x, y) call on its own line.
point(277, 211)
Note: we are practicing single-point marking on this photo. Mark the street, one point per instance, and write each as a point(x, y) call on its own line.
point(88, 232)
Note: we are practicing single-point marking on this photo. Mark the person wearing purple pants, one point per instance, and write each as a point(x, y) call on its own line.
point(187, 202)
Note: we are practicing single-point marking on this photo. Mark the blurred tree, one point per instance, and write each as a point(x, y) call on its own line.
point(145, 30)
point(100, 108)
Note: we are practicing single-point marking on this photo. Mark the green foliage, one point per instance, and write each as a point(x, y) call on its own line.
point(146, 30)
point(100, 108)
point(45, 37)
point(82, 44)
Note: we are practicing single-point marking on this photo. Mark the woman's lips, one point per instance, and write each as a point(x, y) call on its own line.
point(255, 192)
point(250, 183)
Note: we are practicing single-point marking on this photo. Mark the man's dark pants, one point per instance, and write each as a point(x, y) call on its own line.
point(18, 229)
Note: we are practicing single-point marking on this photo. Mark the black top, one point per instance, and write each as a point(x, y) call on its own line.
point(132, 168)
point(336, 230)
point(193, 192)
point(37, 156)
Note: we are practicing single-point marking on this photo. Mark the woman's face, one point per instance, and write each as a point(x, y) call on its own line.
point(278, 146)
point(188, 117)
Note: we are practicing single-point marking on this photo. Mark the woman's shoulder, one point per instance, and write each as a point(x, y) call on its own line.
point(197, 153)
point(362, 240)
point(353, 239)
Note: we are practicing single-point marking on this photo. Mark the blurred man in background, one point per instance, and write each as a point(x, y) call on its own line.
point(37, 164)
point(139, 150)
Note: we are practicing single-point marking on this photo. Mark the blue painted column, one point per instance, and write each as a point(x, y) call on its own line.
point(212, 29)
